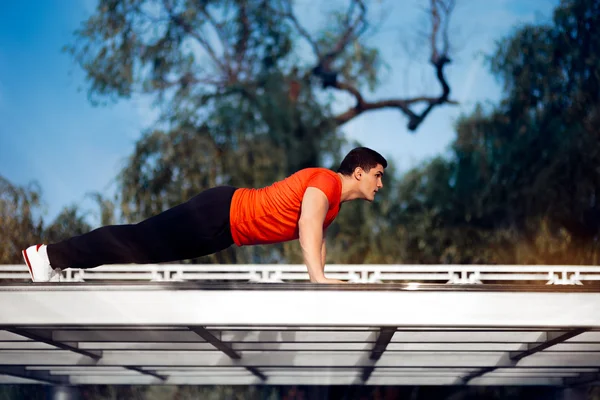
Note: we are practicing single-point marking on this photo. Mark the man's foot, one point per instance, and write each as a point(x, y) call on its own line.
point(37, 261)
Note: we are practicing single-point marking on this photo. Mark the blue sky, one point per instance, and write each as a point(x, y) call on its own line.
point(50, 133)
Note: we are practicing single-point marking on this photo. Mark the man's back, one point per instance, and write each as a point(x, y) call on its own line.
point(270, 214)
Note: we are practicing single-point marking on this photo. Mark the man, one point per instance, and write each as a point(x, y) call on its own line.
point(300, 206)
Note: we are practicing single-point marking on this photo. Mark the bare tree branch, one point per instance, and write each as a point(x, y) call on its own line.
point(288, 13)
point(355, 24)
point(401, 104)
point(187, 80)
point(440, 13)
point(352, 32)
point(218, 27)
point(234, 59)
point(448, 7)
point(435, 28)
point(178, 20)
point(440, 21)
point(242, 46)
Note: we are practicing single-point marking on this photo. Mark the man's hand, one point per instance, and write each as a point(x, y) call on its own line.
point(327, 280)
point(310, 225)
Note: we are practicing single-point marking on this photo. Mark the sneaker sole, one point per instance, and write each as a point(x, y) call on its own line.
point(28, 264)
point(26, 258)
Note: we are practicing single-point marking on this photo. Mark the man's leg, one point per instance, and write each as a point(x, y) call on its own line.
point(195, 228)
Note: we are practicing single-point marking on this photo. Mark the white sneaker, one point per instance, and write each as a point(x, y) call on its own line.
point(39, 265)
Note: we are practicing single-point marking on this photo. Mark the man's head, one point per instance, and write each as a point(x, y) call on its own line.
point(365, 167)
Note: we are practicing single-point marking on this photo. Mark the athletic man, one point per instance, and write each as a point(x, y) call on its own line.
point(300, 206)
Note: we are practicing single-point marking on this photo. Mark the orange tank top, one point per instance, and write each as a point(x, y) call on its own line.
point(270, 214)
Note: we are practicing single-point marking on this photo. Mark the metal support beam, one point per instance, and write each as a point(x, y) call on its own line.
point(549, 339)
point(383, 339)
point(222, 346)
point(41, 336)
point(40, 376)
point(475, 374)
point(146, 372)
point(38, 337)
point(256, 372)
point(212, 339)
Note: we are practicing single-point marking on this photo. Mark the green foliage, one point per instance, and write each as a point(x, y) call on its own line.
point(522, 184)
point(21, 224)
point(68, 223)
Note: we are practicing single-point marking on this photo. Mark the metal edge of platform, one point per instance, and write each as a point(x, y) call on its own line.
point(295, 286)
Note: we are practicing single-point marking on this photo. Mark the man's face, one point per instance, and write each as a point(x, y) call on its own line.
point(371, 181)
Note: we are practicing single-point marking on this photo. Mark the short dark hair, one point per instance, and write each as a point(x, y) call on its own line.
point(361, 157)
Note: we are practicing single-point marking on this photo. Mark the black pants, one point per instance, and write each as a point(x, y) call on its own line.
point(193, 229)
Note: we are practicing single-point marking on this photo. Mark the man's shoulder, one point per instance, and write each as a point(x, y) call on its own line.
point(312, 171)
point(324, 179)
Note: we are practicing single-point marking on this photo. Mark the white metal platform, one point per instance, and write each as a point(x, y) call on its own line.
point(190, 331)
point(375, 273)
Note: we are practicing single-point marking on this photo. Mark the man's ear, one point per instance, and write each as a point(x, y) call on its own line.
point(358, 171)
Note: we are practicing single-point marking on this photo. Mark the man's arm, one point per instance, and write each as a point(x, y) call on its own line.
point(312, 215)
point(323, 250)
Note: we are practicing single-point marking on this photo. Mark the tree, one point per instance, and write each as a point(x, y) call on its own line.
point(522, 185)
point(20, 220)
point(241, 104)
point(539, 150)
point(194, 49)
point(69, 222)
